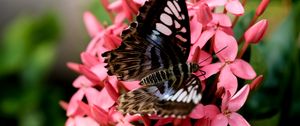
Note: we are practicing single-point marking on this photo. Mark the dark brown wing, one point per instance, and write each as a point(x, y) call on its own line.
point(163, 99)
point(159, 39)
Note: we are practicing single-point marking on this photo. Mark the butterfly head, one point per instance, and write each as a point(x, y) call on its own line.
point(194, 67)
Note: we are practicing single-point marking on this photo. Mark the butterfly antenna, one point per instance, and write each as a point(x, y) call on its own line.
point(213, 55)
point(203, 72)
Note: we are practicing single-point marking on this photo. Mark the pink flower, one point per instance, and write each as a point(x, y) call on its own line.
point(256, 32)
point(228, 66)
point(232, 6)
point(125, 9)
point(231, 104)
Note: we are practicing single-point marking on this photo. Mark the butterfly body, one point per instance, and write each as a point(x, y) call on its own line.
point(154, 50)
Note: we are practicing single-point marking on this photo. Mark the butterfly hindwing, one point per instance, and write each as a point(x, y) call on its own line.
point(162, 99)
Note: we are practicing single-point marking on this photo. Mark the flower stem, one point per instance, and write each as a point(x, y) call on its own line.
point(244, 48)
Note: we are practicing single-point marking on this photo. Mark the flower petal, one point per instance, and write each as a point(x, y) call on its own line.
point(222, 20)
point(236, 119)
point(211, 111)
point(131, 85)
point(92, 25)
point(198, 112)
point(73, 104)
point(214, 3)
point(210, 70)
point(227, 80)
point(196, 29)
point(235, 7)
point(238, 100)
point(88, 59)
point(205, 36)
point(82, 81)
point(219, 120)
point(101, 99)
point(226, 46)
point(165, 121)
point(242, 69)
point(204, 14)
point(85, 121)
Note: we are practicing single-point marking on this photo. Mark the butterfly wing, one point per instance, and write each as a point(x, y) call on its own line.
point(159, 39)
point(162, 99)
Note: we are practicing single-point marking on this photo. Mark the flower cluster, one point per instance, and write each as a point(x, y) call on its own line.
point(94, 103)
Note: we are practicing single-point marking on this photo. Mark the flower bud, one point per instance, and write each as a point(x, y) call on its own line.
point(256, 82)
point(204, 14)
point(256, 32)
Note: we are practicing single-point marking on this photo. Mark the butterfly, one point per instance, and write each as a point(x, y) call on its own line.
point(154, 50)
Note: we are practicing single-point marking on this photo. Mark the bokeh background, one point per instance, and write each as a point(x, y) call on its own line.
point(38, 38)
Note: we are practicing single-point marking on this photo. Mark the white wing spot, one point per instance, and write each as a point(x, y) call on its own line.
point(190, 95)
point(166, 19)
point(183, 17)
point(181, 38)
point(176, 95)
point(177, 6)
point(182, 95)
point(177, 25)
point(173, 8)
point(167, 10)
point(163, 29)
point(183, 30)
point(189, 88)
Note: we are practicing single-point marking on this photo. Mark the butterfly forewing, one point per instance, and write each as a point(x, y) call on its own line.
point(167, 19)
point(160, 33)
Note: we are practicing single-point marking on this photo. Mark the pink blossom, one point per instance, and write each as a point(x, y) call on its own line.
point(232, 6)
point(228, 66)
point(125, 9)
point(231, 104)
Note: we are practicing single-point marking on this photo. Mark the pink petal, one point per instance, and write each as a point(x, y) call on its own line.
point(165, 121)
point(91, 23)
point(256, 32)
point(214, 3)
point(120, 18)
point(211, 111)
point(236, 119)
point(242, 69)
point(82, 81)
point(186, 122)
point(219, 120)
point(203, 122)
point(73, 66)
point(85, 121)
point(235, 7)
point(89, 74)
point(73, 104)
point(101, 99)
point(63, 104)
point(204, 14)
point(222, 19)
point(131, 85)
point(105, 3)
point(99, 115)
point(141, 2)
point(115, 5)
point(88, 59)
point(94, 45)
point(196, 29)
point(100, 71)
point(203, 58)
point(225, 99)
point(70, 122)
point(198, 112)
point(227, 80)
point(111, 91)
point(238, 100)
point(205, 36)
point(227, 46)
point(211, 69)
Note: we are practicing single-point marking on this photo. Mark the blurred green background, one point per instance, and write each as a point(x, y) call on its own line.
point(38, 37)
